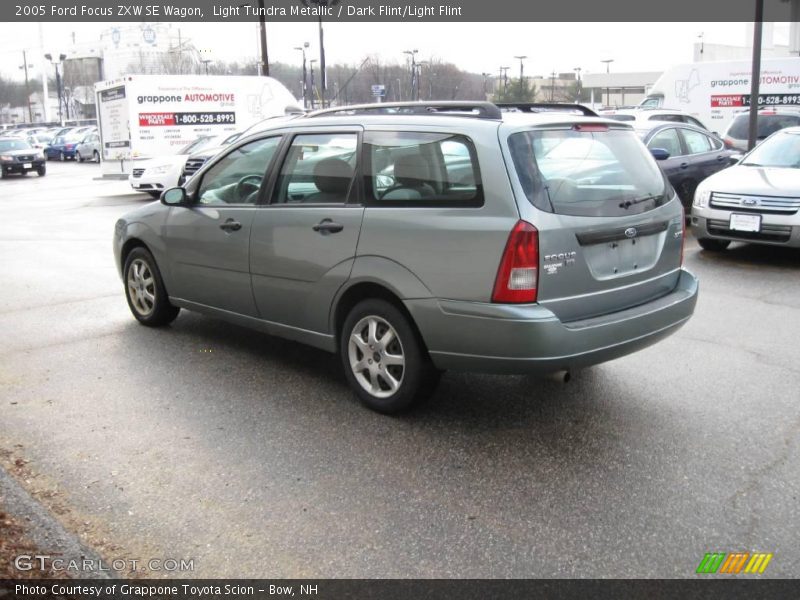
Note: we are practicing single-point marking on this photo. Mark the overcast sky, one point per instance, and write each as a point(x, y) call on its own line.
point(473, 46)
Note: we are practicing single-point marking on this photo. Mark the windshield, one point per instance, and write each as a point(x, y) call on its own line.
point(781, 150)
point(198, 144)
point(8, 145)
point(603, 172)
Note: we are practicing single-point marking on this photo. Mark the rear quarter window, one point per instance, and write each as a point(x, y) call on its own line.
point(421, 169)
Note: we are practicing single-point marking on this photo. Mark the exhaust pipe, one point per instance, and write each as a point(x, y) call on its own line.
point(560, 376)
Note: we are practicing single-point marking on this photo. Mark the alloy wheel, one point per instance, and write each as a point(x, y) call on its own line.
point(141, 287)
point(376, 356)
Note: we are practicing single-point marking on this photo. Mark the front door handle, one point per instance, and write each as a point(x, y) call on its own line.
point(684, 165)
point(231, 225)
point(327, 226)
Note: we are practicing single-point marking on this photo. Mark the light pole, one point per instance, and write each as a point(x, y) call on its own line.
point(702, 44)
point(414, 86)
point(520, 59)
point(505, 79)
point(55, 63)
point(305, 77)
point(323, 83)
point(25, 66)
point(608, 62)
point(311, 62)
point(420, 64)
point(205, 63)
point(578, 71)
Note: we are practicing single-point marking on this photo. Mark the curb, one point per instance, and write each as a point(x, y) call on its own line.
point(44, 530)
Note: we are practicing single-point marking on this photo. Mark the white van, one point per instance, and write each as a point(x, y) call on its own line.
point(147, 116)
point(715, 91)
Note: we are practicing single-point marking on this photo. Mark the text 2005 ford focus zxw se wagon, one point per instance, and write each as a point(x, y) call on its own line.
point(413, 239)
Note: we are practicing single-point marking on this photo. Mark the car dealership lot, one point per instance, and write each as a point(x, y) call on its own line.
point(249, 454)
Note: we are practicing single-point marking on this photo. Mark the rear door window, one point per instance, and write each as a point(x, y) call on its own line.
point(318, 169)
point(696, 142)
point(587, 171)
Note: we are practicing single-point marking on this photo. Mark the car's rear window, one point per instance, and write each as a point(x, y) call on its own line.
point(602, 173)
point(767, 125)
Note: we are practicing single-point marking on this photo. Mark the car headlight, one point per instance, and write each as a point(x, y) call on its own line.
point(6, 157)
point(158, 170)
point(701, 198)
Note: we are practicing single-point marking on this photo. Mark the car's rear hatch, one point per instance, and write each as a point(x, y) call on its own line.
point(609, 229)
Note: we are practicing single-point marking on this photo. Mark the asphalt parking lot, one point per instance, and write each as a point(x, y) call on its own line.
point(249, 455)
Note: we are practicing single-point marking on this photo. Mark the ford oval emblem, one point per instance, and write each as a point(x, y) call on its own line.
point(749, 202)
point(631, 232)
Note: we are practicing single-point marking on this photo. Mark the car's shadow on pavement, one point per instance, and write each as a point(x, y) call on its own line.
point(542, 410)
point(754, 255)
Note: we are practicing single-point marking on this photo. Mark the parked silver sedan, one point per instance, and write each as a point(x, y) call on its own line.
point(756, 201)
point(89, 148)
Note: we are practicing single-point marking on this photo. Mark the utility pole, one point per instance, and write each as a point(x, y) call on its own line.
point(505, 79)
point(25, 66)
point(578, 71)
point(262, 31)
point(552, 85)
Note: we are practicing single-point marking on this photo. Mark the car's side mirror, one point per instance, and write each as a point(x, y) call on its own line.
point(734, 159)
point(659, 153)
point(174, 197)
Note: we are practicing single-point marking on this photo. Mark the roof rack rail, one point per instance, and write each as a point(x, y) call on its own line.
point(537, 107)
point(477, 110)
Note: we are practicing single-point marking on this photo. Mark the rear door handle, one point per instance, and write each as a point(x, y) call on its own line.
point(327, 226)
point(231, 225)
point(720, 158)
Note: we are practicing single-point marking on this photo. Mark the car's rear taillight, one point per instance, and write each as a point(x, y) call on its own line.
point(518, 274)
point(683, 232)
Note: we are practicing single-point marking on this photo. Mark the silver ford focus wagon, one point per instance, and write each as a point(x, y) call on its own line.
point(413, 238)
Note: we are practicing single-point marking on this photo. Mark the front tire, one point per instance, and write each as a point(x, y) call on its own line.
point(41, 171)
point(96, 156)
point(713, 245)
point(384, 359)
point(79, 157)
point(145, 292)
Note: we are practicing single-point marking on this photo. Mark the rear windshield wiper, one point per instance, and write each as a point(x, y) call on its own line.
point(629, 203)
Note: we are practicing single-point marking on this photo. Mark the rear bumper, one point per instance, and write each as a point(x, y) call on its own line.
point(493, 338)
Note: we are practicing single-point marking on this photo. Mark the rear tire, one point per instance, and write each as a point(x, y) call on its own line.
point(388, 374)
point(686, 191)
point(61, 157)
point(79, 157)
point(713, 245)
point(145, 291)
point(155, 195)
point(96, 156)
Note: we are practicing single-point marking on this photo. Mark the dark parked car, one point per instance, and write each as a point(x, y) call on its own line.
point(692, 154)
point(63, 147)
point(18, 156)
